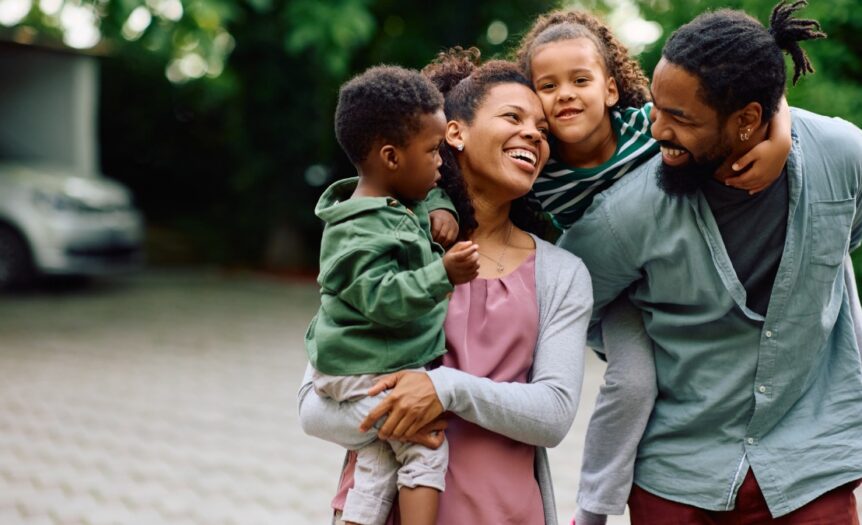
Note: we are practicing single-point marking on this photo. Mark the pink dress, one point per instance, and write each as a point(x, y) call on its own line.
point(491, 331)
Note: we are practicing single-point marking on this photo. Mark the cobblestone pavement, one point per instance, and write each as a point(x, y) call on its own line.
point(169, 398)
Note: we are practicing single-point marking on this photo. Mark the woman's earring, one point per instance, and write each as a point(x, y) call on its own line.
point(744, 134)
point(460, 147)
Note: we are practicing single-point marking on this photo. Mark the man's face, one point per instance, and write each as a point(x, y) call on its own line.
point(694, 141)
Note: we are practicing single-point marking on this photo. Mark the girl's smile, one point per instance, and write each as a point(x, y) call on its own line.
point(577, 93)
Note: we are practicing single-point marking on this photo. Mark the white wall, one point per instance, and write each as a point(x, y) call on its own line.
point(48, 107)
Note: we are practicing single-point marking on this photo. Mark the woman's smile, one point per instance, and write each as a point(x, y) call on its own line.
point(524, 158)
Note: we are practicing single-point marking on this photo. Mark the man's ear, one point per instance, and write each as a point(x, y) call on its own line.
point(455, 134)
point(749, 118)
point(389, 156)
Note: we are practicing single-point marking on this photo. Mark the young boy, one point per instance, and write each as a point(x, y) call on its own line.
point(383, 282)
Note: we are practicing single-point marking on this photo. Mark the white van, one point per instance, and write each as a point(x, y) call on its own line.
point(57, 223)
point(58, 215)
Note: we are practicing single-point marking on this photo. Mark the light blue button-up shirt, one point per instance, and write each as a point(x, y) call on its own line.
point(781, 394)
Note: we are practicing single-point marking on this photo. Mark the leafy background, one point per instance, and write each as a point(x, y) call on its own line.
point(218, 113)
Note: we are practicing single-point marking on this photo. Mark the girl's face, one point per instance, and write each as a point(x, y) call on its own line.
point(575, 90)
point(506, 146)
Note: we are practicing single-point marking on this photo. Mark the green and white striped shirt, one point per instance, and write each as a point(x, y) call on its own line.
point(566, 192)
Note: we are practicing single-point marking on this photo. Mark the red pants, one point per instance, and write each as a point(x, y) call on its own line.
point(836, 507)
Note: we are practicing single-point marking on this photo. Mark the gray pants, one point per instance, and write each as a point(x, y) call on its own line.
point(382, 467)
point(622, 410)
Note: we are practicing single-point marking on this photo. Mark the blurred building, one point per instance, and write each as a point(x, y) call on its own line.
point(48, 106)
point(58, 215)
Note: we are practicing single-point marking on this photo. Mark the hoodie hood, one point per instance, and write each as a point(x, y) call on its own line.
point(335, 205)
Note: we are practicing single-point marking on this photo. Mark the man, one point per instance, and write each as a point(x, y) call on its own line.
point(759, 413)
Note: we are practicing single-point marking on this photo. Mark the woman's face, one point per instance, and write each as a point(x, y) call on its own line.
point(506, 145)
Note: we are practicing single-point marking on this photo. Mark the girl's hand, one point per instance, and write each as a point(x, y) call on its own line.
point(444, 227)
point(411, 405)
point(767, 159)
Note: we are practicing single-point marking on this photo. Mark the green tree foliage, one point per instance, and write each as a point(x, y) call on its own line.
point(224, 160)
point(836, 87)
point(225, 154)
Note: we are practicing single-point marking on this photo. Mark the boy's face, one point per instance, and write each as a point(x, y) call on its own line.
point(418, 171)
point(575, 89)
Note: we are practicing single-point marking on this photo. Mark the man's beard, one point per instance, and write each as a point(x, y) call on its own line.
point(687, 179)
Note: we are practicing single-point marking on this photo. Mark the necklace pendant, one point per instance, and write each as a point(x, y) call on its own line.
point(500, 268)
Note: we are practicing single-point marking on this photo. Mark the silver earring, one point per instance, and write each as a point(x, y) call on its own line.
point(744, 135)
point(460, 147)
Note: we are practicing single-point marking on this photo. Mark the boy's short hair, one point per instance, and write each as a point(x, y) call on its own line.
point(384, 102)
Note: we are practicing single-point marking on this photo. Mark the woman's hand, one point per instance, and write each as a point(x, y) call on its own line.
point(431, 435)
point(444, 227)
point(411, 405)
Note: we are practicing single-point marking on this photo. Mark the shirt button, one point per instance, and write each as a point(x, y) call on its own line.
point(768, 333)
point(750, 441)
point(761, 389)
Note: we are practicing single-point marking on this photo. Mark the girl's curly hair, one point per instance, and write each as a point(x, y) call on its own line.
point(632, 83)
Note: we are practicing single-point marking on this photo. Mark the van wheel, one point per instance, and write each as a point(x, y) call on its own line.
point(16, 266)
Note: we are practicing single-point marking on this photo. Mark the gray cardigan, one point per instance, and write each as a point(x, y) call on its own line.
point(539, 413)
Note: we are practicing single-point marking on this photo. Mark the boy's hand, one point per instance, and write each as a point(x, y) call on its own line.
point(444, 227)
point(462, 262)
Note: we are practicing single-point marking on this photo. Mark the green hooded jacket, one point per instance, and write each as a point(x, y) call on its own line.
point(383, 288)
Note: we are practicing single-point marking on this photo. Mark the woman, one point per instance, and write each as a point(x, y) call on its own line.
point(515, 335)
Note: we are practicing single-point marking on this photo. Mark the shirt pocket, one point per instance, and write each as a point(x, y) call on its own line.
point(415, 249)
point(830, 236)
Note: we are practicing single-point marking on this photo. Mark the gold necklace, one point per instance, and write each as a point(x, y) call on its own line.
point(499, 262)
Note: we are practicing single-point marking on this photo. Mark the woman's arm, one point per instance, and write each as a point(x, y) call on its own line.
point(538, 413)
point(339, 422)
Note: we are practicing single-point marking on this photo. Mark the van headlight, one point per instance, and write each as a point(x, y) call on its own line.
point(58, 202)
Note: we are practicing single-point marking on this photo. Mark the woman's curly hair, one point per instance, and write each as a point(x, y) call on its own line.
point(632, 83)
point(465, 82)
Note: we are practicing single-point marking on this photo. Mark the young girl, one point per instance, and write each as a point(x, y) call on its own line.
point(595, 99)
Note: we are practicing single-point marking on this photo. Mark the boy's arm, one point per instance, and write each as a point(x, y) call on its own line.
point(373, 283)
point(768, 158)
point(438, 200)
point(443, 217)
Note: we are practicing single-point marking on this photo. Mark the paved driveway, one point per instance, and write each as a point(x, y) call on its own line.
point(169, 398)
